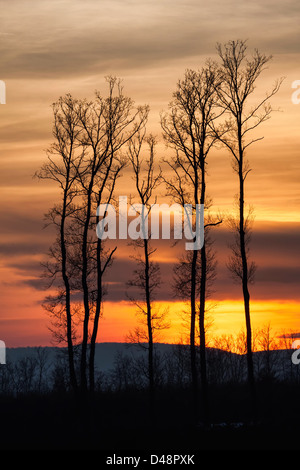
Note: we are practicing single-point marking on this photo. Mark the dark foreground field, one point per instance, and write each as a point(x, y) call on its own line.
point(112, 422)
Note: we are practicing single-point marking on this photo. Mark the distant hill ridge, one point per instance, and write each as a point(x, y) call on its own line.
point(106, 352)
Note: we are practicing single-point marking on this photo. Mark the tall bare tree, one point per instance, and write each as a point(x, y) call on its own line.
point(187, 130)
point(239, 76)
point(64, 159)
point(147, 275)
point(107, 124)
point(89, 136)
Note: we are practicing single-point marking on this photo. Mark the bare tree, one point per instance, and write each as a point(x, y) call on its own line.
point(182, 284)
point(86, 161)
point(42, 358)
point(239, 76)
point(187, 130)
point(107, 124)
point(147, 275)
point(266, 340)
point(64, 160)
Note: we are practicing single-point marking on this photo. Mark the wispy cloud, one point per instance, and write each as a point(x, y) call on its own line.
point(67, 38)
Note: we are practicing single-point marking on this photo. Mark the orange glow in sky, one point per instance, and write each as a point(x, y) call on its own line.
point(49, 49)
point(226, 318)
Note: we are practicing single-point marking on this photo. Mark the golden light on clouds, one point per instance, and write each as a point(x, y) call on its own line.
point(52, 48)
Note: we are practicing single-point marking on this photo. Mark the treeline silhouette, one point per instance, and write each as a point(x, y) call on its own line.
point(45, 370)
point(39, 410)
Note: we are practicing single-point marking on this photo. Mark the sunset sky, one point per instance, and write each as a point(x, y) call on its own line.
point(49, 48)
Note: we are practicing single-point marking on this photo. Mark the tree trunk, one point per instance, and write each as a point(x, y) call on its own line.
point(192, 334)
point(73, 380)
point(203, 371)
point(193, 304)
point(149, 324)
point(246, 294)
point(83, 364)
point(96, 319)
